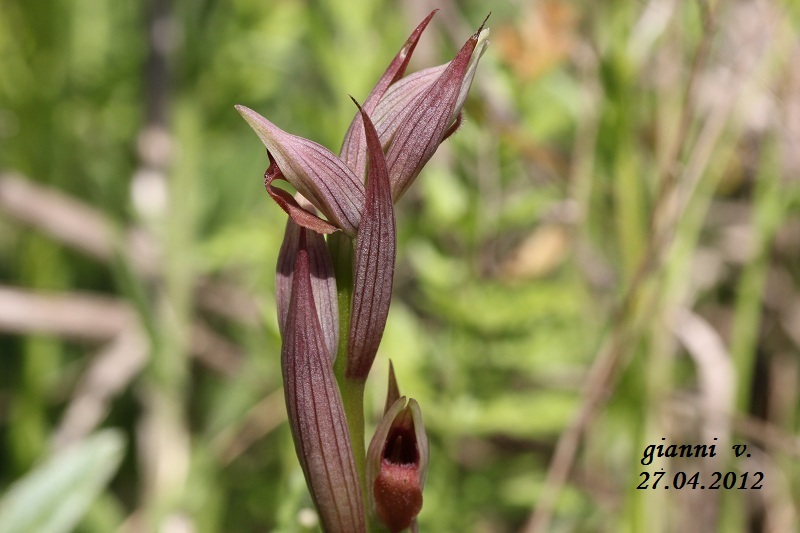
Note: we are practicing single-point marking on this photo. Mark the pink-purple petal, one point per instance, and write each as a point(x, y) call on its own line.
point(424, 123)
point(314, 171)
point(353, 151)
point(304, 216)
point(373, 267)
point(323, 281)
point(395, 103)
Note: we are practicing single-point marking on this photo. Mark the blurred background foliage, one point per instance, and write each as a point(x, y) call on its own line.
point(605, 255)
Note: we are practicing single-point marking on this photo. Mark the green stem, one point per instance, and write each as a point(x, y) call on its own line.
point(341, 249)
point(353, 400)
point(352, 391)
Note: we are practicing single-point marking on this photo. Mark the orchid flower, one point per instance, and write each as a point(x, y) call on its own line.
point(412, 116)
point(333, 295)
point(397, 462)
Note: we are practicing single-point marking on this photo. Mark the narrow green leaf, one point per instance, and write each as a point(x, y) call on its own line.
point(55, 495)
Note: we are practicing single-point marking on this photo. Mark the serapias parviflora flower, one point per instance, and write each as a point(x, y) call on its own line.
point(397, 465)
point(309, 323)
point(395, 132)
point(412, 116)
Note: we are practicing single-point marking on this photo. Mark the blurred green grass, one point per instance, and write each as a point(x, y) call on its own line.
point(608, 192)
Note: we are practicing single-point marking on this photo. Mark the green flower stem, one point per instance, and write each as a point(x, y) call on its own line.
point(353, 399)
point(341, 248)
